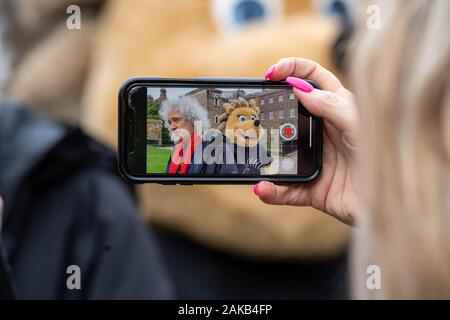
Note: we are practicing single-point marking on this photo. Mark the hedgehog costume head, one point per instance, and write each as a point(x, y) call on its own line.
point(240, 122)
point(189, 41)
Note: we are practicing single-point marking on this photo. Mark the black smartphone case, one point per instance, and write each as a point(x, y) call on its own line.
point(183, 180)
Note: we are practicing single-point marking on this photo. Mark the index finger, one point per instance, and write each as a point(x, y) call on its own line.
point(306, 69)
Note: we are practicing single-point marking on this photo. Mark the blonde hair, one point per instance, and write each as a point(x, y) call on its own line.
point(400, 75)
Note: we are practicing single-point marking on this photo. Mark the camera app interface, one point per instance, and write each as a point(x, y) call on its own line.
point(222, 131)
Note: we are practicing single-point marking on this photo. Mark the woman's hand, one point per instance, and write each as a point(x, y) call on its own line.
point(334, 192)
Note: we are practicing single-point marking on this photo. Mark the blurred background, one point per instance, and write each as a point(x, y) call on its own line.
point(210, 241)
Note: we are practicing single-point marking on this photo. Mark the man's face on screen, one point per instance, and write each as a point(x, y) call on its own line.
point(180, 128)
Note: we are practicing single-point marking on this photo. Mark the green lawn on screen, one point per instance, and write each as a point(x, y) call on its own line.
point(157, 159)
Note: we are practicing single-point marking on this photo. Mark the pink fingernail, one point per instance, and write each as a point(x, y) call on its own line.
point(299, 84)
point(269, 73)
point(255, 189)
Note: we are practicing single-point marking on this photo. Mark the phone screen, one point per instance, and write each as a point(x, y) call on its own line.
point(220, 130)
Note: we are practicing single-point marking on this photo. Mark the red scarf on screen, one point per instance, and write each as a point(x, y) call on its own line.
point(180, 162)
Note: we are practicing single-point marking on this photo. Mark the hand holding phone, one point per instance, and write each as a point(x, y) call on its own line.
point(335, 192)
point(193, 131)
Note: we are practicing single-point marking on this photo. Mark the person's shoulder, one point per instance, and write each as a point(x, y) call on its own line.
point(88, 168)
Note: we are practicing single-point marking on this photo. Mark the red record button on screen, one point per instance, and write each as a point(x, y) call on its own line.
point(288, 131)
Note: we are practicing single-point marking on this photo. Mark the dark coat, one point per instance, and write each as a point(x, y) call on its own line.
point(227, 162)
point(66, 205)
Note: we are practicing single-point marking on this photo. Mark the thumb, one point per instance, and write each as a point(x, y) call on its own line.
point(270, 193)
point(339, 112)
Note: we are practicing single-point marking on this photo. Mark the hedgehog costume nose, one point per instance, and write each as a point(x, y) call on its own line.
point(257, 123)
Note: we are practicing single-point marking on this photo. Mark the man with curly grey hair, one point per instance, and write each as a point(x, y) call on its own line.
point(186, 119)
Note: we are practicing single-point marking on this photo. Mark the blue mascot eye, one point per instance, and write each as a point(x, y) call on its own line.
point(233, 15)
point(242, 118)
point(248, 11)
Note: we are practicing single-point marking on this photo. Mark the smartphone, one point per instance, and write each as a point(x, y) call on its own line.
point(216, 131)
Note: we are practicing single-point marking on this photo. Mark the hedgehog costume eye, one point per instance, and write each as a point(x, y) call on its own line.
point(242, 118)
point(237, 14)
point(253, 118)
